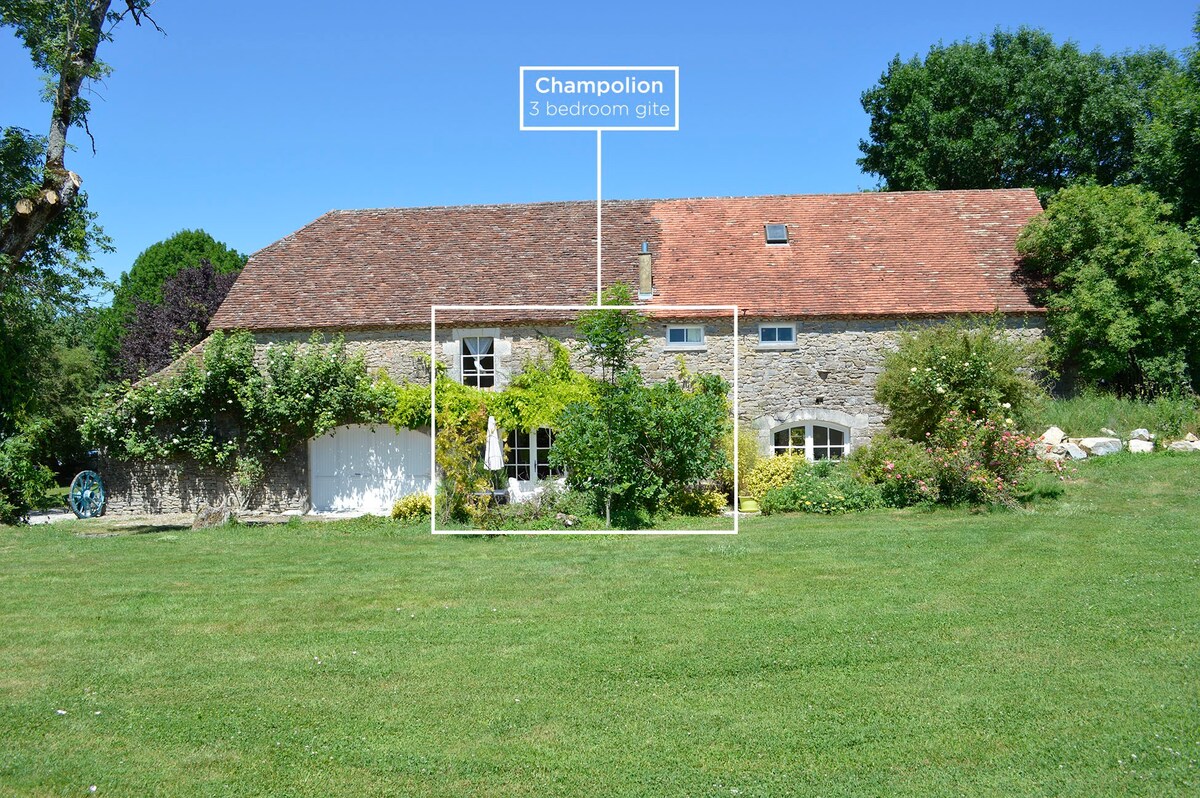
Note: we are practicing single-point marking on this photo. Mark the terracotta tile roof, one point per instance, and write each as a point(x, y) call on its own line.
point(867, 254)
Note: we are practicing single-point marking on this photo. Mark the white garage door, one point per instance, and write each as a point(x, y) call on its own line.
point(361, 469)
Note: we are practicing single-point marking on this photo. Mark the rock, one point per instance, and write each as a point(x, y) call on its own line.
point(1141, 434)
point(566, 520)
point(1110, 433)
point(1072, 451)
point(1139, 446)
point(208, 516)
point(1053, 436)
point(1183, 446)
point(1098, 447)
point(1190, 438)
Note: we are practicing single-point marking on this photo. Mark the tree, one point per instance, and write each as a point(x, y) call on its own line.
point(62, 37)
point(47, 236)
point(1122, 288)
point(144, 284)
point(1169, 143)
point(1016, 110)
point(632, 445)
point(157, 333)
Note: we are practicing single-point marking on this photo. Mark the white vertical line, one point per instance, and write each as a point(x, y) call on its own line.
point(599, 216)
point(736, 409)
point(432, 419)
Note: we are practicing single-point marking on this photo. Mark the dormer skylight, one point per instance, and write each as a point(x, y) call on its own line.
point(777, 233)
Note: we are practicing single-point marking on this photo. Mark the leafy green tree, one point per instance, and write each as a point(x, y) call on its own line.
point(1169, 143)
point(47, 233)
point(633, 445)
point(1015, 110)
point(1122, 288)
point(143, 283)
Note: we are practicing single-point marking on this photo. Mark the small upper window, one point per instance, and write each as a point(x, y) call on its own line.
point(479, 361)
point(777, 233)
point(776, 334)
point(691, 335)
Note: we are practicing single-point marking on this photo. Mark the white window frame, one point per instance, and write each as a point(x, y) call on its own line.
point(810, 449)
point(776, 344)
point(685, 345)
point(530, 450)
point(463, 354)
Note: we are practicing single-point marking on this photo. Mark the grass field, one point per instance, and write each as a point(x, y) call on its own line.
point(1051, 651)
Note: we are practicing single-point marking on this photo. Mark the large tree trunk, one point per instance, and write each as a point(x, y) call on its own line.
point(60, 185)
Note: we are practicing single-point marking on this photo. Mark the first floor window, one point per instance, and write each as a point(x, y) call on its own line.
point(529, 455)
point(814, 441)
point(479, 361)
point(776, 334)
point(691, 335)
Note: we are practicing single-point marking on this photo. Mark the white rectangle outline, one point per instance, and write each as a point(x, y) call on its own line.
point(521, 96)
point(433, 309)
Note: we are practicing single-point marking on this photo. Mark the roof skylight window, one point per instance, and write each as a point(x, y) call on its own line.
point(777, 233)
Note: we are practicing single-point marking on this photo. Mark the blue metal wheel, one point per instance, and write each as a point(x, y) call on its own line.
point(87, 495)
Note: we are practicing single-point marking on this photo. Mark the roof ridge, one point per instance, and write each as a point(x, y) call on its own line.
point(632, 201)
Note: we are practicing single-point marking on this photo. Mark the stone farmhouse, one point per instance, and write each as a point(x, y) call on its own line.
point(822, 284)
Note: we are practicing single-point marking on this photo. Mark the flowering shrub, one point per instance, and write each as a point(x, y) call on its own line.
point(903, 470)
point(972, 365)
point(770, 473)
point(979, 460)
point(824, 488)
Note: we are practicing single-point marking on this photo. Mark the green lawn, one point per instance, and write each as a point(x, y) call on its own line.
point(1043, 652)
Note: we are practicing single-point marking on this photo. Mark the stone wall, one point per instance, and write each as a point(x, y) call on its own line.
point(135, 488)
point(827, 374)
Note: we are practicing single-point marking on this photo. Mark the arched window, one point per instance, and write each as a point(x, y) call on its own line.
point(816, 441)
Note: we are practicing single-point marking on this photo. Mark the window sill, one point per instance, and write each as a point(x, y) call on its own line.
point(685, 348)
point(777, 347)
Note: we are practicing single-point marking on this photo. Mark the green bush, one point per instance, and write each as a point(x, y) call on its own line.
point(697, 502)
point(826, 488)
point(771, 473)
point(24, 482)
point(413, 507)
point(903, 470)
point(970, 365)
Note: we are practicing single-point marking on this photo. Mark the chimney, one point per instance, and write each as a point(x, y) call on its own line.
point(645, 276)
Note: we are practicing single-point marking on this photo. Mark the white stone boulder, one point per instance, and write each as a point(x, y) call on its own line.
point(1141, 434)
point(1071, 450)
point(1139, 446)
point(1053, 436)
point(1109, 432)
point(1190, 438)
point(1099, 447)
point(1184, 446)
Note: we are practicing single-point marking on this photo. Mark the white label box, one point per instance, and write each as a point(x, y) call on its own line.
point(599, 98)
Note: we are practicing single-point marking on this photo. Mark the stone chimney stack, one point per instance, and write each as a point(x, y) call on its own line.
point(645, 273)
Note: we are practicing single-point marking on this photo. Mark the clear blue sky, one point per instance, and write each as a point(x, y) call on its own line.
point(249, 119)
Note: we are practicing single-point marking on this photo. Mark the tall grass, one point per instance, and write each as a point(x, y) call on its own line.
point(1087, 414)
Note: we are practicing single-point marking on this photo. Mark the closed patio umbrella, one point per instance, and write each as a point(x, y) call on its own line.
point(493, 455)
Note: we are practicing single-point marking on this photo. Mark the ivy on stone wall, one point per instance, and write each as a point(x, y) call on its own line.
point(223, 409)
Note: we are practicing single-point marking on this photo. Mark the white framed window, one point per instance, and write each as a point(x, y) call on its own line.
point(777, 335)
point(528, 455)
point(816, 441)
point(478, 361)
point(685, 336)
